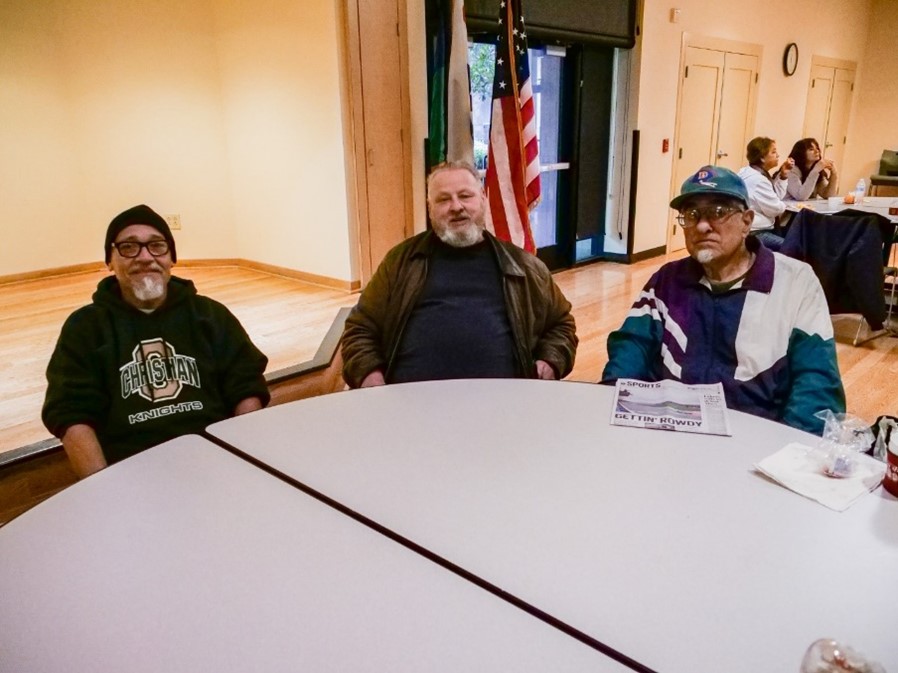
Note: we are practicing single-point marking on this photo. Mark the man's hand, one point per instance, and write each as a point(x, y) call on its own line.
point(83, 449)
point(247, 405)
point(375, 378)
point(544, 371)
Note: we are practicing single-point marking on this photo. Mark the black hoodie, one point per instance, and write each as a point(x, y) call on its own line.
point(141, 379)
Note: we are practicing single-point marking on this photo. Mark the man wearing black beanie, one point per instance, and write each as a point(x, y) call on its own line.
point(149, 359)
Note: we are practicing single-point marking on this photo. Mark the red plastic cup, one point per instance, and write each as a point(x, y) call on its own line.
point(890, 480)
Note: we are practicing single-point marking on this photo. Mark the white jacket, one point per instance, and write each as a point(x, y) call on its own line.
point(764, 197)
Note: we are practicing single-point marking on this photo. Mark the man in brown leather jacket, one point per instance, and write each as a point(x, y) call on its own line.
point(456, 302)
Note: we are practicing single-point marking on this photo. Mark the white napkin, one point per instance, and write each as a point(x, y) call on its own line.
point(795, 467)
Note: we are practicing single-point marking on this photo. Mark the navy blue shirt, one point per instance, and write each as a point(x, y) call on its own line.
point(459, 327)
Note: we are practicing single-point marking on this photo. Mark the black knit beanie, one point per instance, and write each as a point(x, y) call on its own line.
point(139, 215)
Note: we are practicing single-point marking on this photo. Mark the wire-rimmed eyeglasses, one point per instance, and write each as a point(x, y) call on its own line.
point(711, 214)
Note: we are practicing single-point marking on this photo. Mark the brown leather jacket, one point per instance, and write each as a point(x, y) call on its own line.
point(538, 312)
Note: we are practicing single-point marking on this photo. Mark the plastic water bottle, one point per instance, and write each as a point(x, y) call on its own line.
point(859, 190)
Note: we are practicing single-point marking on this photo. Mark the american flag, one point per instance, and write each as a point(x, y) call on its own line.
point(512, 175)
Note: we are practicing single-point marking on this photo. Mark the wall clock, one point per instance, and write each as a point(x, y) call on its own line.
point(790, 59)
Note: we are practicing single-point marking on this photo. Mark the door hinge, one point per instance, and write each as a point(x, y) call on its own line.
point(680, 154)
point(687, 72)
point(756, 78)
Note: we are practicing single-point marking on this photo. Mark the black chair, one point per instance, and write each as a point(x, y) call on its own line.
point(888, 172)
point(848, 253)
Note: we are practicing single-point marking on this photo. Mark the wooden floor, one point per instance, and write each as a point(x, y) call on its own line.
point(287, 319)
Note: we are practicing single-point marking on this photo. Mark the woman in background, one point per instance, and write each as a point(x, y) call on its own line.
point(765, 193)
point(812, 177)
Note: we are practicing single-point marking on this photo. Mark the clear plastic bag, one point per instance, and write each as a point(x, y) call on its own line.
point(830, 656)
point(884, 428)
point(845, 436)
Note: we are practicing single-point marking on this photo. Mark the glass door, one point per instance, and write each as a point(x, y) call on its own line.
point(547, 68)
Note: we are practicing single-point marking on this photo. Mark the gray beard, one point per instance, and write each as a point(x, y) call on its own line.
point(150, 289)
point(704, 256)
point(461, 238)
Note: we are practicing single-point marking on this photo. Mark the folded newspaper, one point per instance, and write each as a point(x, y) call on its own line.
point(671, 405)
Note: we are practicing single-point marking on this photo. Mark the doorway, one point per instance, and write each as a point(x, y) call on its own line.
point(571, 92)
point(716, 108)
point(829, 105)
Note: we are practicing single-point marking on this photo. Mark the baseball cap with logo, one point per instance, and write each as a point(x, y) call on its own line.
point(709, 181)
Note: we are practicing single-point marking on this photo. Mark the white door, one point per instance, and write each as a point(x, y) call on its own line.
point(828, 108)
point(737, 110)
point(819, 94)
point(701, 84)
point(718, 94)
point(839, 109)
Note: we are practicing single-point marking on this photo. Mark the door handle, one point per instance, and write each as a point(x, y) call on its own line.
point(721, 154)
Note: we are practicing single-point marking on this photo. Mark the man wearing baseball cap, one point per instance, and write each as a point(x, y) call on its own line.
point(732, 312)
point(149, 359)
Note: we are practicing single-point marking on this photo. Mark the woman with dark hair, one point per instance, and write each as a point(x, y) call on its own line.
point(812, 177)
point(765, 194)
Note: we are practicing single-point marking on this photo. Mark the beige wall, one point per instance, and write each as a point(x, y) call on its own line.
point(122, 108)
point(227, 113)
point(281, 99)
point(38, 181)
point(833, 28)
point(874, 123)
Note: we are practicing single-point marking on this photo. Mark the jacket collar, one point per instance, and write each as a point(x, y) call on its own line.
point(423, 247)
point(759, 278)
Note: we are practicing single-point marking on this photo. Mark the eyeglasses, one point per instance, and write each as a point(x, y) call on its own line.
point(131, 249)
point(711, 214)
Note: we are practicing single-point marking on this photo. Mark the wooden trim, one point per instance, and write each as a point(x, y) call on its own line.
point(51, 273)
point(828, 62)
point(406, 121)
point(29, 451)
point(356, 145)
point(200, 263)
point(29, 482)
point(648, 254)
point(721, 44)
point(366, 133)
point(312, 278)
point(323, 357)
point(350, 95)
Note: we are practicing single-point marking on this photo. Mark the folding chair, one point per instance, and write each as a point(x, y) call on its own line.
point(848, 255)
point(888, 172)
